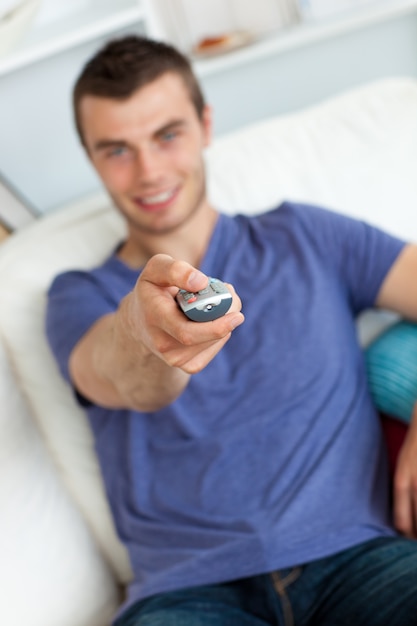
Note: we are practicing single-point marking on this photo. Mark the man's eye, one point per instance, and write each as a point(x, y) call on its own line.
point(169, 136)
point(115, 152)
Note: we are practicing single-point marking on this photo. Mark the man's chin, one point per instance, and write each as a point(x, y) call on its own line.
point(160, 222)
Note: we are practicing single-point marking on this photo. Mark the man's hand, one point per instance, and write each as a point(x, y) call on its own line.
point(156, 321)
point(142, 356)
point(405, 483)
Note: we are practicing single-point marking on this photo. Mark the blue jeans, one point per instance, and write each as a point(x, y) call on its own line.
point(373, 584)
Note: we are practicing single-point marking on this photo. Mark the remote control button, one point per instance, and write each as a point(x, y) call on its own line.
point(207, 306)
point(217, 288)
point(193, 298)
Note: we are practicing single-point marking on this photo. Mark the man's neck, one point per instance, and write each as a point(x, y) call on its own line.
point(189, 242)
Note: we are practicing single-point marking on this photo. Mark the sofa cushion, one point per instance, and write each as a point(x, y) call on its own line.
point(391, 363)
point(51, 570)
point(395, 431)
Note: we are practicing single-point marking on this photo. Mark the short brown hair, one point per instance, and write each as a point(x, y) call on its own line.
point(124, 65)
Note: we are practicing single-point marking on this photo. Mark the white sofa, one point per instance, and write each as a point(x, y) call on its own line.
point(60, 561)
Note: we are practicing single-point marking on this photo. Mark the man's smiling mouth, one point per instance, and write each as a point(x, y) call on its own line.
point(162, 198)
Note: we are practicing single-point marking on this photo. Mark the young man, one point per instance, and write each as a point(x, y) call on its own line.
point(243, 462)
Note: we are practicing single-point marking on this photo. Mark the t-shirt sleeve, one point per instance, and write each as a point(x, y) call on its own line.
point(367, 255)
point(75, 303)
point(359, 252)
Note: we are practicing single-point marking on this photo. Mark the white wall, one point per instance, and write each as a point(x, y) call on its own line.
point(40, 154)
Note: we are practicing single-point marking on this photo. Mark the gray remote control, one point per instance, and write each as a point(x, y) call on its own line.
point(205, 305)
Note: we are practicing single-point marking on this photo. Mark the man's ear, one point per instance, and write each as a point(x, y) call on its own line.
point(207, 123)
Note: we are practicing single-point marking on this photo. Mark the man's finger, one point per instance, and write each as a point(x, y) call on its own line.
point(164, 271)
point(188, 333)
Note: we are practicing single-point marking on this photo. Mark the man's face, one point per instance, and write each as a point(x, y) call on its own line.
point(148, 152)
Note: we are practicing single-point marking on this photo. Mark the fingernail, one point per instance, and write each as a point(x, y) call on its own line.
point(237, 321)
point(196, 280)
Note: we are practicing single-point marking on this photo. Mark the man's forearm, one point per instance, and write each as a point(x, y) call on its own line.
point(113, 370)
point(141, 380)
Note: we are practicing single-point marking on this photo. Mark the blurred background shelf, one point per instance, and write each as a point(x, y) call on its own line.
point(307, 32)
point(97, 19)
point(101, 18)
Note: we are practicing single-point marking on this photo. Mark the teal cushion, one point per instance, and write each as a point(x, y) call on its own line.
point(391, 362)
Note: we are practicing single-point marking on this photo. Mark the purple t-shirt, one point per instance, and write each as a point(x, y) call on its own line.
point(273, 455)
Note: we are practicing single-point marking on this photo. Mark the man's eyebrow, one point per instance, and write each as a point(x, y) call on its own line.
point(103, 144)
point(173, 125)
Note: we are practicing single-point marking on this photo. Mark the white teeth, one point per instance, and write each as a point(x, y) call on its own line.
point(160, 197)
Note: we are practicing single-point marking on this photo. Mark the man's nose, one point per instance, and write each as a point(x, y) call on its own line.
point(149, 164)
